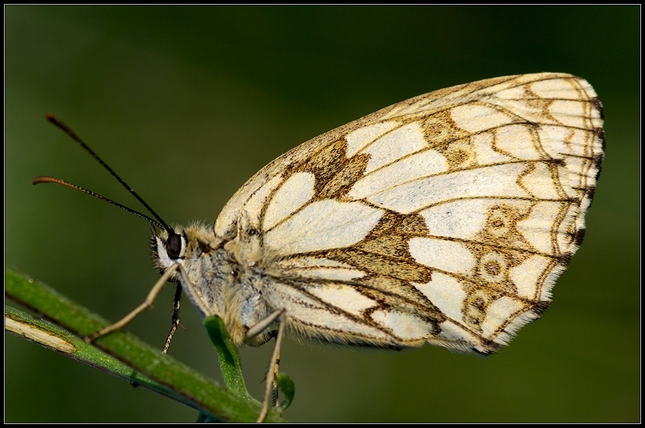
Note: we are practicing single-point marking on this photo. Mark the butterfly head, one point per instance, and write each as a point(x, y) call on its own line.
point(168, 248)
point(182, 245)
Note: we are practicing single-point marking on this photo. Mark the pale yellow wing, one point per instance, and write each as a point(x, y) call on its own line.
point(443, 219)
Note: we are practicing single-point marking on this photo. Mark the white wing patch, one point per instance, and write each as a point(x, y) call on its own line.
point(394, 145)
point(444, 219)
point(444, 255)
point(526, 276)
point(403, 325)
point(409, 169)
point(477, 118)
point(344, 297)
point(294, 192)
point(361, 137)
point(323, 225)
point(445, 292)
point(491, 181)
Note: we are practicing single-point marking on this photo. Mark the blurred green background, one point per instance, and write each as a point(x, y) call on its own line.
point(186, 103)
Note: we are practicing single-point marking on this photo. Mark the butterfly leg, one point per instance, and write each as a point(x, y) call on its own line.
point(175, 318)
point(152, 295)
point(271, 390)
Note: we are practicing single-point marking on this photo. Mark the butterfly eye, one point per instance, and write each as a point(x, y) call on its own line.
point(175, 246)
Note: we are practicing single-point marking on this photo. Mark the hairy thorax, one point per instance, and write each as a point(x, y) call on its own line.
point(217, 284)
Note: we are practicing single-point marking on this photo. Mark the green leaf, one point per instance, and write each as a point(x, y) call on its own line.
point(288, 389)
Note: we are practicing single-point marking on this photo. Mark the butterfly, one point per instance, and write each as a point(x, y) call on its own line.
point(443, 219)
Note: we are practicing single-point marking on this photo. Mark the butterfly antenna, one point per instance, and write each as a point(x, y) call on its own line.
point(60, 124)
point(45, 179)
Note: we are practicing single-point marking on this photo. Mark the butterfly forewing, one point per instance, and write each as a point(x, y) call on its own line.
point(443, 219)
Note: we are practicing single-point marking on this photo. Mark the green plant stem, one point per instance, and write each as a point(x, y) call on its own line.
point(119, 353)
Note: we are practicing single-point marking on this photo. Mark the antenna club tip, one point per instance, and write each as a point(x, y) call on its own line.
point(56, 121)
point(38, 180)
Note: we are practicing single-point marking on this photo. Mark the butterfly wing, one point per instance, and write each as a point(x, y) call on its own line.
point(443, 219)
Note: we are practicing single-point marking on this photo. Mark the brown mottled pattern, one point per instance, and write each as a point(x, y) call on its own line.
point(374, 263)
point(440, 130)
point(334, 172)
point(476, 304)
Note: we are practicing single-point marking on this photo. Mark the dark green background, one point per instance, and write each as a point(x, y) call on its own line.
point(188, 102)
